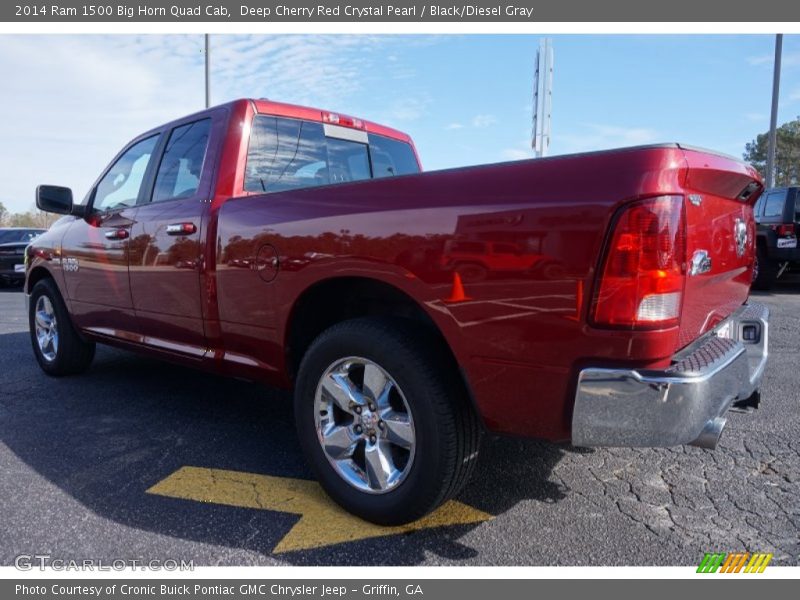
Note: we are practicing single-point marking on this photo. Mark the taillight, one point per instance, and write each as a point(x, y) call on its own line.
point(334, 119)
point(786, 230)
point(644, 269)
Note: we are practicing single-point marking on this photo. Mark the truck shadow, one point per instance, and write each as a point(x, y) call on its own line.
point(106, 437)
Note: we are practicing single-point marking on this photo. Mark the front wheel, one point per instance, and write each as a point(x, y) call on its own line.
point(383, 420)
point(58, 347)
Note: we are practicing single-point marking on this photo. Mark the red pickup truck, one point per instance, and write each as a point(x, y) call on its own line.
point(305, 249)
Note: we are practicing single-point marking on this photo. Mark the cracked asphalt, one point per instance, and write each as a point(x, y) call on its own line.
point(77, 455)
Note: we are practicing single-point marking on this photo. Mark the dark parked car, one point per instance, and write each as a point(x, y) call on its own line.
point(777, 215)
point(13, 241)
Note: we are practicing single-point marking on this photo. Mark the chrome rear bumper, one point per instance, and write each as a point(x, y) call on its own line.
point(683, 404)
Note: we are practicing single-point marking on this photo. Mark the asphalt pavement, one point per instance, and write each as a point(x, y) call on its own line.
point(138, 459)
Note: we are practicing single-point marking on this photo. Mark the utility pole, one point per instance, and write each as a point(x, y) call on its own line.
point(773, 121)
point(542, 98)
point(208, 83)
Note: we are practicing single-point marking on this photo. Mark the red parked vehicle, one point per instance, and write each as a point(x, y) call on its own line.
point(305, 249)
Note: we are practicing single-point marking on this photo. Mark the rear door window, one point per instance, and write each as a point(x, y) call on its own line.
point(182, 163)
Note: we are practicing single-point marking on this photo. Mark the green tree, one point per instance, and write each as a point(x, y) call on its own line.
point(787, 153)
point(3, 214)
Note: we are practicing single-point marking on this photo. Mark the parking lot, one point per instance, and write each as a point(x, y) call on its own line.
point(144, 460)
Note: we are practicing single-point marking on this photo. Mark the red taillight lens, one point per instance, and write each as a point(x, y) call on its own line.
point(643, 274)
point(786, 230)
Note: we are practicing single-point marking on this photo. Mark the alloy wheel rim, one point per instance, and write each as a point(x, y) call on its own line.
point(364, 425)
point(46, 328)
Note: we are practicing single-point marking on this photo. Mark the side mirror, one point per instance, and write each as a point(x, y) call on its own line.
point(56, 199)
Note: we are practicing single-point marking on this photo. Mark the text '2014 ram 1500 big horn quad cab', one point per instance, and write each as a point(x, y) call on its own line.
point(599, 298)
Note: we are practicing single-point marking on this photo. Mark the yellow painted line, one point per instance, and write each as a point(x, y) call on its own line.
point(322, 522)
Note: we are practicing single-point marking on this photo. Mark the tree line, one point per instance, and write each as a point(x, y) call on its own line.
point(787, 154)
point(33, 217)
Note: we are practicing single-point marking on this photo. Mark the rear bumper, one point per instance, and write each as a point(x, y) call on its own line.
point(683, 404)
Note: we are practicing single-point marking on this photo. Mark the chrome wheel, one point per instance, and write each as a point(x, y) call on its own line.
point(46, 328)
point(364, 425)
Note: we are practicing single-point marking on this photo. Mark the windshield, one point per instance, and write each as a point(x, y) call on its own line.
point(9, 236)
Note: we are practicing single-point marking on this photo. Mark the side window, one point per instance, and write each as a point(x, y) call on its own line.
point(285, 154)
point(182, 163)
point(758, 209)
point(120, 186)
point(773, 205)
point(391, 157)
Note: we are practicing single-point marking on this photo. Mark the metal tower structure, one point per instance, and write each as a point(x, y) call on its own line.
point(542, 98)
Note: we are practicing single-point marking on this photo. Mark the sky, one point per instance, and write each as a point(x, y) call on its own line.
point(69, 103)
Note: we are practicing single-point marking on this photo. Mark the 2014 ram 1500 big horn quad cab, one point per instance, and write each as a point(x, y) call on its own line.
point(599, 298)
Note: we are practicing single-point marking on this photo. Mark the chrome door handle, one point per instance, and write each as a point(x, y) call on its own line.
point(181, 229)
point(117, 234)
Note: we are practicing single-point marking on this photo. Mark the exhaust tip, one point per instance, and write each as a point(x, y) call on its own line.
point(711, 433)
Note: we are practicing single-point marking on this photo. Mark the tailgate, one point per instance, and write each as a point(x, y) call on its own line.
point(720, 194)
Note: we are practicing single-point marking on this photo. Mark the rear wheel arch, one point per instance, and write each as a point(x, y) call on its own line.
point(335, 300)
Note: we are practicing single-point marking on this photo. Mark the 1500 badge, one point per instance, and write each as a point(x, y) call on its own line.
point(70, 264)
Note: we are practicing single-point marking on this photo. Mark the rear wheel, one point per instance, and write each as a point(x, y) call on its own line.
point(383, 420)
point(58, 347)
point(765, 271)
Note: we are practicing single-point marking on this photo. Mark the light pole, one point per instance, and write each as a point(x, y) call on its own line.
point(208, 83)
point(773, 121)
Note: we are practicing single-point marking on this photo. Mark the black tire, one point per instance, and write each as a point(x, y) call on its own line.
point(446, 428)
point(765, 271)
point(72, 354)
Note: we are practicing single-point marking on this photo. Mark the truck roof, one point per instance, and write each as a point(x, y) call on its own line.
point(295, 111)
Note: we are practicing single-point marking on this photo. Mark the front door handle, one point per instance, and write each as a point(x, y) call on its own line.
point(117, 234)
point(181, 229)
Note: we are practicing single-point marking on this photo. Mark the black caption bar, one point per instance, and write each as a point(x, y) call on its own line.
point(402, 11)
point(352, 589)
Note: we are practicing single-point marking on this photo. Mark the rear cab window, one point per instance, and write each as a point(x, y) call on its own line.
point(287, 154)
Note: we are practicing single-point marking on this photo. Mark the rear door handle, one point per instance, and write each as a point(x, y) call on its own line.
point(181, 229)
point(117, 234)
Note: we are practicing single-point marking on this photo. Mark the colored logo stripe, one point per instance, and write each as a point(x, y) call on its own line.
point(711, 562)
point(734, 562)
point(758, 563)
